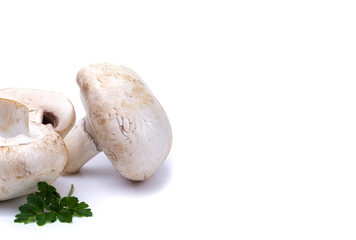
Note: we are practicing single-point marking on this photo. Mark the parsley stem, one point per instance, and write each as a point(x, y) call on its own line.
point(71, 191)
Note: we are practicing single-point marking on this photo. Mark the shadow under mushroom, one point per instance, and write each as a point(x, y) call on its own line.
point(101, 175)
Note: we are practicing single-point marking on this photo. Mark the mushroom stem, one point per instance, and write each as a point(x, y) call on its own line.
point(36, 115)
point(14, 119)
point(82, 145)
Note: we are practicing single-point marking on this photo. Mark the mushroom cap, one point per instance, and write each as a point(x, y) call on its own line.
point(129, 123)
point(27, 160)
point(45, 107)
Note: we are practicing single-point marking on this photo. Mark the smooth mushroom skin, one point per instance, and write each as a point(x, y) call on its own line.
point(36, 153)
point(125, 121)
point(47, 107)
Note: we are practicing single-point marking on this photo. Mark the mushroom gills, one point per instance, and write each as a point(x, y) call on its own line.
point(50, 118)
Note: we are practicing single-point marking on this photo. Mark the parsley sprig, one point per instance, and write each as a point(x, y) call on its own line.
point(47, 206)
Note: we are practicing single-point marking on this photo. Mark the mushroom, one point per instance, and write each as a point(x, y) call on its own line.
point(46, 107)
point(29, 152)
point(124, 120)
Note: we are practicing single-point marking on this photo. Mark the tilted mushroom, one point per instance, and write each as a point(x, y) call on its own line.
point(46, 107)
point(29, 152)
point(124, 120)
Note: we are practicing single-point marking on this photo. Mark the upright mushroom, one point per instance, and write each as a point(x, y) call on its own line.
point(46, 107)
point(29, 152)
point(124, 120)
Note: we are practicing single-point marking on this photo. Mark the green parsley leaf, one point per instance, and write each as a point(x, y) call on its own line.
point(25, 218)
point(48, 193)
point(41, 219)
point(65, 216)
point(81, 212)
point(72, 202)
point(26, 209)
point(46, 206)
point(35, 203)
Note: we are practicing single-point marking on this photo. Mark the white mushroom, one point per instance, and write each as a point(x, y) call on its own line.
point(123, 119)
point(46, 107)
point(29, 152)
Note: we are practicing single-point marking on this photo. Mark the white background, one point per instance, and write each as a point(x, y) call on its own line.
point(261, 96)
